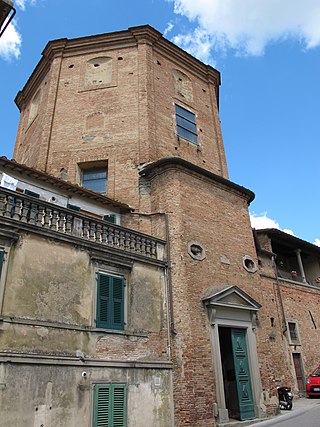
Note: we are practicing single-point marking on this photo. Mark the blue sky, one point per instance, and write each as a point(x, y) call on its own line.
point(268, 52)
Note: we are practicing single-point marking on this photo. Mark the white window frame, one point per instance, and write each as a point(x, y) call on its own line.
point(291, 341)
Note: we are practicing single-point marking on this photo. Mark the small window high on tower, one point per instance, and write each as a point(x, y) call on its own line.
point(186, 124)
point(95, 179)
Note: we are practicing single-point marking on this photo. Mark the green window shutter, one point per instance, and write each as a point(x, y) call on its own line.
point(1, 260)
point(102, 410)
point(103, 301)
point(110, 405)
point(110, 218)
point(32, 194)
point(119, 405)
point(73, 207)
point(118, 303)
point(110, 302)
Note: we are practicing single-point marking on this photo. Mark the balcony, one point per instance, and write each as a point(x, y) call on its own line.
point(297, 265)
point(30, 212)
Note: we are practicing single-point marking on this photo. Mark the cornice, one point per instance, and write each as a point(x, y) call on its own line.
point(291, 241)
point(64, 360)
point(185, 60)
point(144, 34)
point(52, 50)
point(96, 250)
point(177, 163)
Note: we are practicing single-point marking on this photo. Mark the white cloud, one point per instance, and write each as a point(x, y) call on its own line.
point(10, 43)
point(11, 40)
point(198, 44)
point(317, 242)
point(22, 3)
point(262, 221)
point(168, 29)
point(247, 26)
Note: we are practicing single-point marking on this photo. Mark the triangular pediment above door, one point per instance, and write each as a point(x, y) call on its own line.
point(230, 296)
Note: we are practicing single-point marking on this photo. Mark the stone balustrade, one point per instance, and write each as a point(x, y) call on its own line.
point(31, 211)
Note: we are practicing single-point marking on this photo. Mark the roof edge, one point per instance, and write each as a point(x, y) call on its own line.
point(67, 186)
point(282, 235)
point(131, 36)
point(178, 161)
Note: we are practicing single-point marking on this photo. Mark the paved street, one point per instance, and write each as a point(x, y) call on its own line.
point(305, 413)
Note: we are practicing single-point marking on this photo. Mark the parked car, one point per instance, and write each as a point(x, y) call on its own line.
point(313, 383)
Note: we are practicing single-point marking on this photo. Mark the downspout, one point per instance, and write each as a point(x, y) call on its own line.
point(11, 9)
point(172, 329)
point(284, 320)
point(168, 280)
point(274, 265)
point(4, 276)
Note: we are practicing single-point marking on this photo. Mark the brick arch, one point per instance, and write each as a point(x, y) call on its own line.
point(95, 120)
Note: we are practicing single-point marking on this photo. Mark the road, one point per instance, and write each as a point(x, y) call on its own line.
point(305, 413)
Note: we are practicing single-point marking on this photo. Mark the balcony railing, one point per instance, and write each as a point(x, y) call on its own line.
point(288, 276)
point(40, 214)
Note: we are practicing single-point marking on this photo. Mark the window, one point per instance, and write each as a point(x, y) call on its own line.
point(110, 302)
point(95, 179)
point(249, 264)
point(32, 193)
point(109, 405)
point(293, 333)
point(110, 218)
point(186, 124)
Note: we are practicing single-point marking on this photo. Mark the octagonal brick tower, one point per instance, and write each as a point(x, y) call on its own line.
point(112, 101)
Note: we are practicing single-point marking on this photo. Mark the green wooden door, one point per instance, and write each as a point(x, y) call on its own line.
point(242, 373)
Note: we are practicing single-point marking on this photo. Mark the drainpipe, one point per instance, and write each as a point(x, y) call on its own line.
point(303, 276)
point(284, 320)
point(7, 12)
point(172, 329)
point(4, 275)
point(168, 280)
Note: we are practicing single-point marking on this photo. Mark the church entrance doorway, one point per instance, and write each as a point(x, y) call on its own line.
point(236, 373)
point(232, 315)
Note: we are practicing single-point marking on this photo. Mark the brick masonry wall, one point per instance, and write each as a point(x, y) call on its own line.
point(300, 304)
point(136, 125)
point(218, 219)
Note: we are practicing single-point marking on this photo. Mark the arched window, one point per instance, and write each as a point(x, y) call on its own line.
point(98, 71)
point(95, 121)
point(34, 107)
point(182, 85)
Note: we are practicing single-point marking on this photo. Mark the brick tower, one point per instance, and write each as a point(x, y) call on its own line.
point(102, 102)
point(131, 115)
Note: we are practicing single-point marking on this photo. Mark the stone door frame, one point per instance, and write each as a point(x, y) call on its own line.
point(232, 308)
